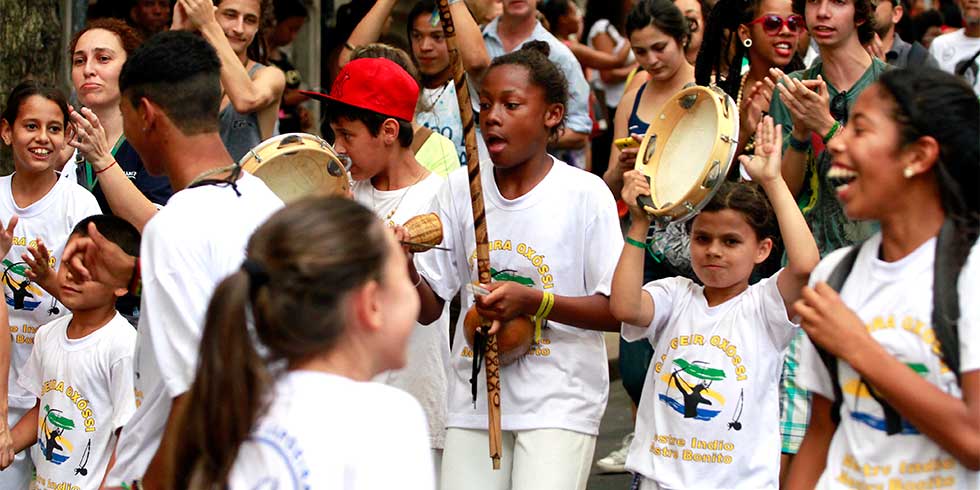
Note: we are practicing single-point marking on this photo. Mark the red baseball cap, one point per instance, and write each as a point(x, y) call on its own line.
point(375, 84)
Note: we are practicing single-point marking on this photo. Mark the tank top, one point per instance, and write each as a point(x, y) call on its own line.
point(240, 132)
point(635, 125)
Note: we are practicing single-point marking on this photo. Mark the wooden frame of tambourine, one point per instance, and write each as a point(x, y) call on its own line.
point(712, 172)
point(296, 165)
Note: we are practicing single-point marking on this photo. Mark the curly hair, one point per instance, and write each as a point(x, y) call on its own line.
point(129, 38)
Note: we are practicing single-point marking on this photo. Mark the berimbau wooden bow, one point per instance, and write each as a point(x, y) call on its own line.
point(479, 226)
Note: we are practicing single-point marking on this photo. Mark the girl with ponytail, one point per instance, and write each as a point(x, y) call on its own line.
point(762, 32)
point(322, 303)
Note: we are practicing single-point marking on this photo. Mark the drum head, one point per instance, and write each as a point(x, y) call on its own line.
point(298, 165)
point(687, 151)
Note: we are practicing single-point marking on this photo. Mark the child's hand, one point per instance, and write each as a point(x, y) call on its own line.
point(7, 236)
point(635, 185)
point(766, 165)
point(829, 323)
point(507, 300)
point(38, 261)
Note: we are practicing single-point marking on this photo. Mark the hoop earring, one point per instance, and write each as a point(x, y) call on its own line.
point(747, 43)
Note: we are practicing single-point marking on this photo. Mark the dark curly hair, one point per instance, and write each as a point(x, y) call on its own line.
point(533, 56)
point(129, 38)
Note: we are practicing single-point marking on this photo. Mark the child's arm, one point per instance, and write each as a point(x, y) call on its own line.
point(801, 249)
point(951, 422)
point(25, 432)
point(112, 458)
point(628, 302)
point(508, 300)
point(810, 461)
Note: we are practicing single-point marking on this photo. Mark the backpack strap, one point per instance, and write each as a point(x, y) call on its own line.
point(945, 295)
point(836, 280)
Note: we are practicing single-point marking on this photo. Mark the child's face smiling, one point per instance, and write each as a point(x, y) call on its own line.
point(725, 249)
point(515, 118)
point(36, 136)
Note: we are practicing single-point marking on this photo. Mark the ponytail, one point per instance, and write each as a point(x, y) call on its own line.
point(228, 393)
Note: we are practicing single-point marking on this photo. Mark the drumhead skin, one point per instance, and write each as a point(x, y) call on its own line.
point(298, 165)
point(687, 152)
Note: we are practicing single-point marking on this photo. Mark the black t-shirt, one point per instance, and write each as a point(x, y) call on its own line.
point(155, 188)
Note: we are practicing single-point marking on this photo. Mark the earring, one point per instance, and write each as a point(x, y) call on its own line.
point(908, 173)
point(747, 43)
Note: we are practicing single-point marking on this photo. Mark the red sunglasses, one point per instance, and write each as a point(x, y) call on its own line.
point(773, 23)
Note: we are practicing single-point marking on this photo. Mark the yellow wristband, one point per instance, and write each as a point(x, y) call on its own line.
point(547, 303)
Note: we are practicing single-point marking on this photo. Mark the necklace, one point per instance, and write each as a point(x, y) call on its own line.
point(214, 171)
point(374, 199)
point(741, 89)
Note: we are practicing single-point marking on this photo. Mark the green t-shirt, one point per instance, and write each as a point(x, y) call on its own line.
point(823, 212)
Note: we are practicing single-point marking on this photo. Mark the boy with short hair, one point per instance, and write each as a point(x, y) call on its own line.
point(80, 370)
point(369, 109)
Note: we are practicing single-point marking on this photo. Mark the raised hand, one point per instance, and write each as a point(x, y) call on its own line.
point(90, 138)
point(635, 185)
point(754, 103)
point(199, 12)
point(807, 102)
point(766, 164)
point(95, 258)
point(7, 235)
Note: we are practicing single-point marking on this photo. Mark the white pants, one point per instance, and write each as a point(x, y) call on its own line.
point(18, 475)
point(541, 459)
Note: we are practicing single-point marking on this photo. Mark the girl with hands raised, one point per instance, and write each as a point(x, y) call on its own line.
point(719, 345)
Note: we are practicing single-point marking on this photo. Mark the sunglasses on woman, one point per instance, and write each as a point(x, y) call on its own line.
point(772, 23)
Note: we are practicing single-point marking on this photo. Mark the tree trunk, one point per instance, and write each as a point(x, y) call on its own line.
point(30, 46)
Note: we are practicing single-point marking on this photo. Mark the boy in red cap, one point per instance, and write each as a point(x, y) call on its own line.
point(370, 109)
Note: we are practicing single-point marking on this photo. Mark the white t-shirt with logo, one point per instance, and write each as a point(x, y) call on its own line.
point(563, 237)
point(86, 391)
point(442, 116)
point(950, 49)
point(188, 247)
point(894, 300)
point(324, 431)
point(709, 414)
point(424, 374)
point(51, 219)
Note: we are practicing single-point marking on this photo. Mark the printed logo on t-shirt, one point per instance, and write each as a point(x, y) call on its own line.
point(691, 384)
point(56, 428)
point(283, 462)
point(20, 292)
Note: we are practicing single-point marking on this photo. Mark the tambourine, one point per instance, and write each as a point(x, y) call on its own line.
point(686, 153)
point(297, 165)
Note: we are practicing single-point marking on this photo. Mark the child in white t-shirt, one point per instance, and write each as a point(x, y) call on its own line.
point(909, 159)
point(41, 208)
point(80, 371)
point(709, 414)
point(554, 238)
point(324, 290)
point(372, 125)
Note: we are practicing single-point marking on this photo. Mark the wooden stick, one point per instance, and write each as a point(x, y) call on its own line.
point(479, 225)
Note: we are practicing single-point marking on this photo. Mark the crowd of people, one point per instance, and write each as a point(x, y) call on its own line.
point(173, 324)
